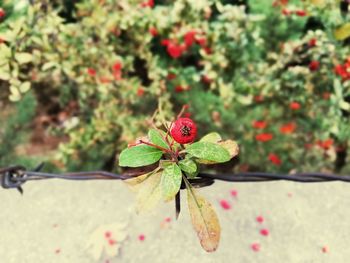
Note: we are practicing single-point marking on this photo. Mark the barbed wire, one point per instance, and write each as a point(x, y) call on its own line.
point(14, 177)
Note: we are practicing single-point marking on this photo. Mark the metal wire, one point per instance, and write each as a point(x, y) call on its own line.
point(16, 176)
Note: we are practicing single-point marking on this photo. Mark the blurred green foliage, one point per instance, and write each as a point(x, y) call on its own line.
point(236, 63)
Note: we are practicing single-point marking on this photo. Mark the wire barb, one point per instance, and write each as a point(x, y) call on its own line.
point(15, 176)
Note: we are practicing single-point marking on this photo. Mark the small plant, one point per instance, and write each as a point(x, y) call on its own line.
point(178, 158)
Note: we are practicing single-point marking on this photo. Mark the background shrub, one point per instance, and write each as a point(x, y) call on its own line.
point(273, 75)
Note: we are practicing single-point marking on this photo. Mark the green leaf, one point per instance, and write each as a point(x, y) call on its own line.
point(5, 72)
point(165, 163)
point(231, 146)
point(24, 87)
point(204, 220)
point(213, 137)
point(209, 152)
point(156, 137)
point(189, 167)
point(342, 32)
point(23, 58)
point(139, 155)
point(171, 181)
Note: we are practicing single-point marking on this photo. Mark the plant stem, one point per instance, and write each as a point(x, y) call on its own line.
point(177, 205)
point(156, 146)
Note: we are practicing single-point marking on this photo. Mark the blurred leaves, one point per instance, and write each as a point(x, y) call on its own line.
point(244, 63)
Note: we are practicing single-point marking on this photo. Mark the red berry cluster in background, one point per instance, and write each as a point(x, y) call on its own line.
point(343, 70)
point(191, 37)
point(283, 3)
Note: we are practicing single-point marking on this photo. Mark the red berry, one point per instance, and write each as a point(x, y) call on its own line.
point(165, 42)
point(314, 65)
point(140, 92)
point(117, 66)
point(288, 128)
point(259, 124)
point(300, 13)
point(2, 13)
point(91, 72)
point(149, 3)
point(183, 130)
point(264, 137)
point(202, 41)
point(275, 159)
point(294, 105)
point(312, 42)
point(180, 88)
point(153, 31)
point(189, 38)
point(175, 50)
point(171, 76)
point(286, 12)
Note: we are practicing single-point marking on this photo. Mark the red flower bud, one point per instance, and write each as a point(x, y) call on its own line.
point(183, 130)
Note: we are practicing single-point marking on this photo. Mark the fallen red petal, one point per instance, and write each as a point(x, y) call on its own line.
point(255, 247)
point(112, 242)
point(264, 232)
point(259, 219)
point(234, 193)
point(142, 237)
point(225, 204)
point(325, 249)
point(108, 234)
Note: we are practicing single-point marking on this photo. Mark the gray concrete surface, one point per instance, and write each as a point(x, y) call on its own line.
point(55, 220)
